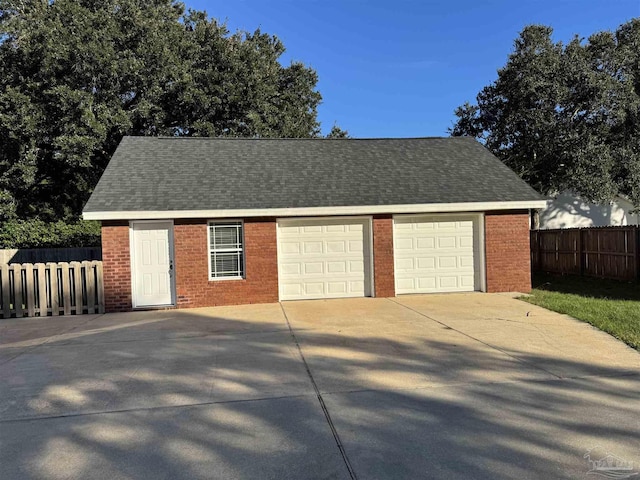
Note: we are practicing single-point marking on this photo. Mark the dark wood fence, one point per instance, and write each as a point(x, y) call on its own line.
point(603, 252)
point(47, 255)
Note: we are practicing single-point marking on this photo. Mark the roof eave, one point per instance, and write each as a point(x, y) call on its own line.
point(315, 211)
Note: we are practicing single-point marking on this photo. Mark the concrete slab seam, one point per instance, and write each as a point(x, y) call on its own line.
point(325, 410)
point(158, 340)
point(476, 339)
point(146, 409)
point(480, 383)
point(29, 349)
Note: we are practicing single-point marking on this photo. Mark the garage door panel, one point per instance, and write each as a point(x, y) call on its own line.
point(421, 226)
point(425, 263)
point(446, 242)
point(331, 258)
point(336, 267)
point(312, 247)
point(446, 225)
point(466, 261)
point(467, 281)
point(448, 282)
point(405, 283)
point(290, 269)
point(404, 264)
point(424, 243)
point(355, 246)
point(287, 248)
point(316, 288)
point(466, 241)
point(449, 264)
point(356, 266)
point(404, 244)
point(426, 283)
point(286, 231)
point(313, 268)
point(336, 246)
point(294, 289)
point(337, 287)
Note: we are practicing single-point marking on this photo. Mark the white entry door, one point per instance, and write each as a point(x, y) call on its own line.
point(152, 264)
point(435, 254)
point(324, 258)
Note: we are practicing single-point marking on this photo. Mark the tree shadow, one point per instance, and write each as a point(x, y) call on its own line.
point(569, 211)
point(204, 396)
point(587, 287)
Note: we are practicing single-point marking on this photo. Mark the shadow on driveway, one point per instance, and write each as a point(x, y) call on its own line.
point(224, 393)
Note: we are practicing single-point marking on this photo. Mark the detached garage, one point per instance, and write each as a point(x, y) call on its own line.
point(190, 222)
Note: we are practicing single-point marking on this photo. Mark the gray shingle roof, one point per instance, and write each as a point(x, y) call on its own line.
point(163, 174)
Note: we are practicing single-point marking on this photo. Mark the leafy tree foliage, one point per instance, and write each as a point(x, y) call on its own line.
point(34, 233)
point(77, 75)
point(337, 132)
point(566, 116)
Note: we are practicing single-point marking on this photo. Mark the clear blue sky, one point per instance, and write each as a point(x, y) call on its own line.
point(398, 68)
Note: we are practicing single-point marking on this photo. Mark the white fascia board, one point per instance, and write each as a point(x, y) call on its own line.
point(316, 211)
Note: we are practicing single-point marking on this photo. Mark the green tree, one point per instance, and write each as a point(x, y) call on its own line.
point(337, 132)
point(565, 116)
point(77, 75)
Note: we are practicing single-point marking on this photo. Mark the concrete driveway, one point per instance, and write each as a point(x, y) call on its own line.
point(442, 386)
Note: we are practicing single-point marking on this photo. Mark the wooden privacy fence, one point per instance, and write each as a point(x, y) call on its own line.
point(604, 252)
point(47, 255)
point(40, 289)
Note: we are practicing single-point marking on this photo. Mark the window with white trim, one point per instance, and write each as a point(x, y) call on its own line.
point(226, 250)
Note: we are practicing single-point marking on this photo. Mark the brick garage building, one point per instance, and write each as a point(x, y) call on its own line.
point(203, 222)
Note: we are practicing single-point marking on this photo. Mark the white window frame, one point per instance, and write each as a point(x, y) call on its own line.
point(242, 250)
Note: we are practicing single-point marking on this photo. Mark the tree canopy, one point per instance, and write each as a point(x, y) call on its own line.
point(77, 75)
point(565, 117)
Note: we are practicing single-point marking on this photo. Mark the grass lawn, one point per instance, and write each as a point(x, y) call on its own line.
point(611, 306)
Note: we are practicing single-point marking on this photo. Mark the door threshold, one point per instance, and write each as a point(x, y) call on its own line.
point(155, 307)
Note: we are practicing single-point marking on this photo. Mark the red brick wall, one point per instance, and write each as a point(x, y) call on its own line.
point(507, 252)
point(506, 243)
point(116, 264)
point(383, 256)
point(193, 287)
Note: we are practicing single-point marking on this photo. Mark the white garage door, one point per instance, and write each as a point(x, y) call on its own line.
point(321, 258)
point(436, 254)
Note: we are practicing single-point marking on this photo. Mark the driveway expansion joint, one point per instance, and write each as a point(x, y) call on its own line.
point(33, 347)
point(504, 352)
point(325, 410)
point(555, 379)
point(148, 409)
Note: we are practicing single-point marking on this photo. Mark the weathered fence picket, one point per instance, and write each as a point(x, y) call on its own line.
point(6, 291)
point(17, 289)
point(42, 289)
point(46, 289)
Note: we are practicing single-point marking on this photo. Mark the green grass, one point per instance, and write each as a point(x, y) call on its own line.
point(613, 307)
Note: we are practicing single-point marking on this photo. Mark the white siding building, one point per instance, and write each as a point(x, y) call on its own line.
point(570, 211)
